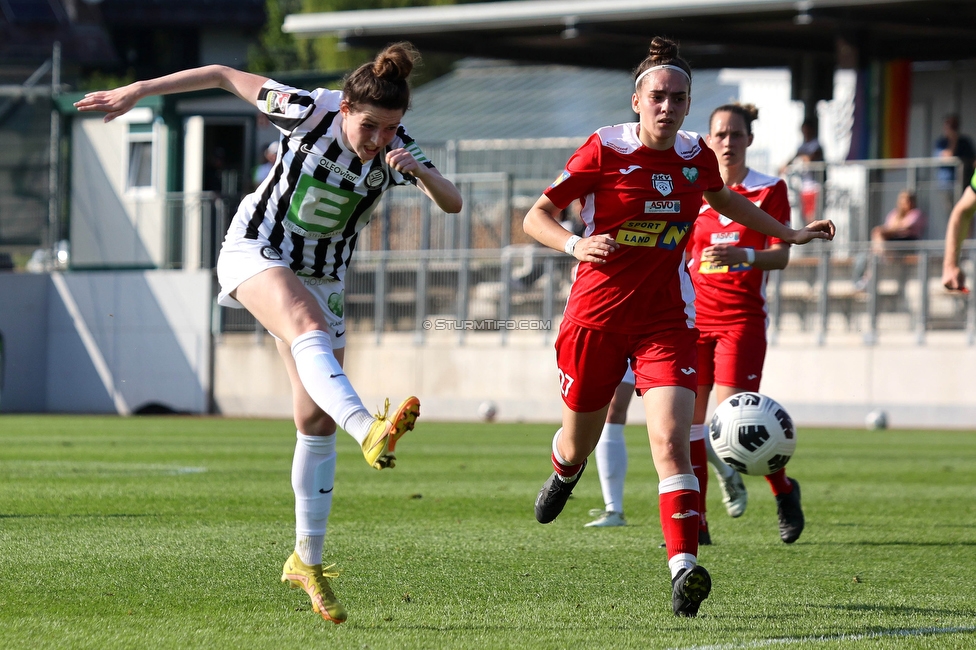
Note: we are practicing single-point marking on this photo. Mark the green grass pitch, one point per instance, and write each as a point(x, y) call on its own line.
point(170, 532)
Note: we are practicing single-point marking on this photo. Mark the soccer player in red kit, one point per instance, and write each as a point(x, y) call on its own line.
point(640, 185)
point(729, 264)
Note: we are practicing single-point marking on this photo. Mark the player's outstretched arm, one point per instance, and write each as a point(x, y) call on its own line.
point(120, 100)
point(740, 209)
point(541, 223)
point(960, 220)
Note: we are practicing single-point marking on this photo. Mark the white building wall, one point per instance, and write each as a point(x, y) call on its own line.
point(112, 225)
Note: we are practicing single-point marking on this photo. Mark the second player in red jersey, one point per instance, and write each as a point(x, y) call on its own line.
point(729, 264)
point(735, 293)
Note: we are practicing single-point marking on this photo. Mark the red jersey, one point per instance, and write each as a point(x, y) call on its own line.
point(646, 200)
point(728, 295)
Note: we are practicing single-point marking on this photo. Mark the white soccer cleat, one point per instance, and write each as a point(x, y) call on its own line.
point(606, 519)
point(734, 495)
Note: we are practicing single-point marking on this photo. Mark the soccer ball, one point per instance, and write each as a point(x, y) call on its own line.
point(876, 419)
point(488, 411)
point(752, 433)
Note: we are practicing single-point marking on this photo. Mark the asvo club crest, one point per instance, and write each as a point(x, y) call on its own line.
point(662, 183)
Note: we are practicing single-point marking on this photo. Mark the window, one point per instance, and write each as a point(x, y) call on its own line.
point(141, 154)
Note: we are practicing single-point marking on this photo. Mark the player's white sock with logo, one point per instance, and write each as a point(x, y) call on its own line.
point(611, 462)
point(721, 468)
point(564, 470)
point(312, 479)
point(327, 384)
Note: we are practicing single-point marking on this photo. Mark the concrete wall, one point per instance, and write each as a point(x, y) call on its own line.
point(106, 342)
point(113, 342)
point(837, 384)
point(24, 326)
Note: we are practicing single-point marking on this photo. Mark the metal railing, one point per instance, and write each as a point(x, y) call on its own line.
point(823, 292)
point(858, 194)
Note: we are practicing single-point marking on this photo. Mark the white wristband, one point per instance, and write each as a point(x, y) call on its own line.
point(571, 244)
point(750, 256)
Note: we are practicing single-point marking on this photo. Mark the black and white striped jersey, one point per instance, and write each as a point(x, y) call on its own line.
point(319, 194)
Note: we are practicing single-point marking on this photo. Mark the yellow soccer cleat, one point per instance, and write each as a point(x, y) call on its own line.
point(385, 431)
point(315, 581)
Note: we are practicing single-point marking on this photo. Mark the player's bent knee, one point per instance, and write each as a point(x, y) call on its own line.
point(316, 424)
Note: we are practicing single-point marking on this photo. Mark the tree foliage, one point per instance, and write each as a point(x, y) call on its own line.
point(277, 51)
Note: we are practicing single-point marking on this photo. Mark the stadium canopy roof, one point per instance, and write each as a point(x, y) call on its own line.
point(712, 33)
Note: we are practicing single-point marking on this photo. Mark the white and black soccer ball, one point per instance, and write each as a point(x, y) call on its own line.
point(752, 433)
point(876, 420)
point(488, 411)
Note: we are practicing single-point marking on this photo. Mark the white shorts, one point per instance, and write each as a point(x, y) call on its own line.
point(241, 259)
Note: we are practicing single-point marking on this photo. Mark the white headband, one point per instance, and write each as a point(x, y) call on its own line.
point(661, 67)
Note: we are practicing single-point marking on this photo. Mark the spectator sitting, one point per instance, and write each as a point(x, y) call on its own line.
point(905, 223)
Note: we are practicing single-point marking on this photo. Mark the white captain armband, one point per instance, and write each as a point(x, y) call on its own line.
point(571, 244)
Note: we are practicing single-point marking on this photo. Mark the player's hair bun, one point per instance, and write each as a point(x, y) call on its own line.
point(663, 49)
point(383, 81)
point(396, 62)
point(751, 110)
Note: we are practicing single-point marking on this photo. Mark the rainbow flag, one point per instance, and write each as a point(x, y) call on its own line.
point(882, 101)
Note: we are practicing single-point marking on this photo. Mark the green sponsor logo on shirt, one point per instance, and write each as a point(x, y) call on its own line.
point(321, 208)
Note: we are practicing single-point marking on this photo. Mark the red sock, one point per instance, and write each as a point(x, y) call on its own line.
point(565, 470)
point(699, 464)
point(679, 521)
point(780, 484)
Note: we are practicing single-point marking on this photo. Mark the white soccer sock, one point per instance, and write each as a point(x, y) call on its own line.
point(721, 468)
point(312, 479)
point(327, 384)
point(561, 460)
point(681, 561)
point(611, 463)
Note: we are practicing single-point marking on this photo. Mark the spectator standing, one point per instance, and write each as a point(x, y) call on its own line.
point(952, 143)
point(809, 151)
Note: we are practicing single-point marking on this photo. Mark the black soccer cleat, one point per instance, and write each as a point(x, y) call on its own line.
point(553, 496)
point(688, 589)
point(790, 514)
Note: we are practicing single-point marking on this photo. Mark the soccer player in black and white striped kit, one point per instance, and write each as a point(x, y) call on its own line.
point(287, 249)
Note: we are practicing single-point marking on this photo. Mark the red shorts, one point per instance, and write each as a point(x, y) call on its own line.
point(591, 362)
point(732, 356)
